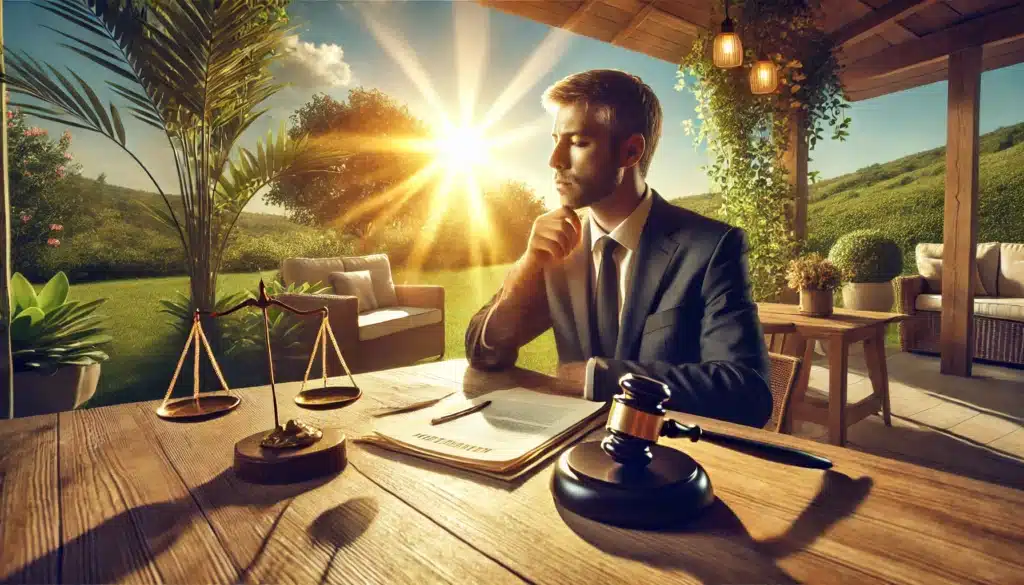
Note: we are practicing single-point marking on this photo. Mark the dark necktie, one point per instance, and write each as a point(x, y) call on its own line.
point(607, 302)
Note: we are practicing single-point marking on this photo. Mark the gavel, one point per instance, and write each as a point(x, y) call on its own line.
point(627, 479)
point(637, 420)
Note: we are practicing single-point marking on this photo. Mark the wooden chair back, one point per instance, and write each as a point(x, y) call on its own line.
point(784, 372)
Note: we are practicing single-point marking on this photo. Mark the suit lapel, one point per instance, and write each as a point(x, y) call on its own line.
point(580, 293)
point(647, 274)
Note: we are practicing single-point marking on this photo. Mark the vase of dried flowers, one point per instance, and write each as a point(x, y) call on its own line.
point(816, 278)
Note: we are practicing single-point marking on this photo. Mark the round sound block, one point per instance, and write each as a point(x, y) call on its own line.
point(257, 464)
point(668, 492)
point(327, 397)
point(201, 407)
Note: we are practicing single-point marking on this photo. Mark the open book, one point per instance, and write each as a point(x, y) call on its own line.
point(507, 438)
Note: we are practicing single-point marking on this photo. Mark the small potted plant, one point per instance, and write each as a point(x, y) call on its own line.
point(869, 262)
point(815, 277)
point(55, 347)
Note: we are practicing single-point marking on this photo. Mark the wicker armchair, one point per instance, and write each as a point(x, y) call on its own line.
point(998, 309)
point(785, 371)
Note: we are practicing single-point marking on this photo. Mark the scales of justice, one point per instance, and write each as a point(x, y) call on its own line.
point(294, 451)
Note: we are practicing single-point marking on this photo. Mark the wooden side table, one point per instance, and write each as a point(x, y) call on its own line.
point(837, 332)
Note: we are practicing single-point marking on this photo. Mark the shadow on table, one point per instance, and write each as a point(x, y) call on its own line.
point(162, 523)
point(717, 546)
point(341, 525)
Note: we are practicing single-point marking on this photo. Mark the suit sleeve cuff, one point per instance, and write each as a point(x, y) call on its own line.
point(588, 382)
point(483, 331)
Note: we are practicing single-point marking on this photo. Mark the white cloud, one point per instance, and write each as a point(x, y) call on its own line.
point(309, 65)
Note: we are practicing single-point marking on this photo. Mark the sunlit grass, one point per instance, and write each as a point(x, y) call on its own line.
point(144, 350)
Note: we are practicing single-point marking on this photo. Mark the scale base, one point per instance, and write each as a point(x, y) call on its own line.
point(668, 492)
point(257, 464)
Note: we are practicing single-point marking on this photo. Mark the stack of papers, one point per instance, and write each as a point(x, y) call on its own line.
point(504, 440)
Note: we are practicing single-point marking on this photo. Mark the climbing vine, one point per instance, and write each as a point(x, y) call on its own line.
point(747, 134)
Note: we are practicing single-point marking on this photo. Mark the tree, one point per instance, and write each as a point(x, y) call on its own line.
point(197, 71)
point(44, 206)
point(375, 128)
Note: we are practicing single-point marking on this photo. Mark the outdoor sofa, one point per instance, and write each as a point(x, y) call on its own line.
point(998, 302)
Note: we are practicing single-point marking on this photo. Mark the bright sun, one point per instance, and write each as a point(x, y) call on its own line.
point(461, 148)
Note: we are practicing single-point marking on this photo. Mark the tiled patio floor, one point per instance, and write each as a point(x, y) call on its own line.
point(968, 426)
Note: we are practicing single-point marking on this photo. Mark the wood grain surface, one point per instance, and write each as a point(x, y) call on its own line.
point(144, 499)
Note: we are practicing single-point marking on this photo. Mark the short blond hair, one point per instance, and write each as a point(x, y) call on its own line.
point(631, 104)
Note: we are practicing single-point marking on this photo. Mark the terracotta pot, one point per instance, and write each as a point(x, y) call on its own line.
point(868, 296)
point(66, 389)
point(816, 303)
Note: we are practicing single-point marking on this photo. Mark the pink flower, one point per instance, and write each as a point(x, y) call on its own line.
point(66, 136)
point(68, 156)
point(53, 242)
point(35, 131)
point(10, 114)
point(60, 172)
point(25, 217)
point(56, 227)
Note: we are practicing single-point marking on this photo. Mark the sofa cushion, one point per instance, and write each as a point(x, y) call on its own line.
point(381, 322)
point(311, 270)
point(356, 284)
point(929, 265)
point(1011, 270)
point(1010, 309)
point(380, 274)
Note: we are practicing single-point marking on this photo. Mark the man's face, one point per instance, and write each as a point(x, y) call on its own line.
point(584, 157)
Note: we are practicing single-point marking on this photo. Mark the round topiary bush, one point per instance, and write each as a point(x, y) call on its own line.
point(867, 256)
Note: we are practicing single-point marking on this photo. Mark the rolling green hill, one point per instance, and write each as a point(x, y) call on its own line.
point(904, 198)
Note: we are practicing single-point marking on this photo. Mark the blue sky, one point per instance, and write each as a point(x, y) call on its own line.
point(337, 51)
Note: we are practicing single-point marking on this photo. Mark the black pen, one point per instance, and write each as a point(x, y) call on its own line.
point(461, 413)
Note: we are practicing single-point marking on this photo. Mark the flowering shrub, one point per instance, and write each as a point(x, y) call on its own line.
point(813, 272)
point(41, 200)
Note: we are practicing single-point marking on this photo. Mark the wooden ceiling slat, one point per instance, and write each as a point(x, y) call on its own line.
point(870, 22)
point(674, 22)
point(671, 36)
point(931, 19)
point(577, 17)
point(1002, 24)
point(690, 18)
point(635, 22)
point(549, 13)
point(597, 28)
point(609, 12)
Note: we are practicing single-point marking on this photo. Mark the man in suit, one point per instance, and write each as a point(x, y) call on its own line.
point(642, 286)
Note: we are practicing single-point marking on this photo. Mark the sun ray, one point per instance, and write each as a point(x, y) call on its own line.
point(438, 207)
point(471, 39)
point(403, 192)
point(526, 131)
point(540, 62)
point(405, 57)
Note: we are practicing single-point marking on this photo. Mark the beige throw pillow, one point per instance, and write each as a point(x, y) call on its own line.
point(380, 273)
point(929, 265)
point(358, 284)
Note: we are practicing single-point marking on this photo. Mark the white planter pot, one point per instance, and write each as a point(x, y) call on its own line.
point(66, 389)
point(868, 296)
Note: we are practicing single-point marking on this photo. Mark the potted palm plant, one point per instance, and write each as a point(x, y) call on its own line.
point(56, 346)
point(815, 278)
point(869, 261)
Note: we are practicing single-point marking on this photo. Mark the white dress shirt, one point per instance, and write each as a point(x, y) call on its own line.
point(627, 235)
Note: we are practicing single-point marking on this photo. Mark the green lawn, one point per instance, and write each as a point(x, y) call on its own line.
point(145, 348)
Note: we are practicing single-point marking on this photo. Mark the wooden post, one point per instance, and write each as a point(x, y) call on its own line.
point(795, 159)
point(960, 222)
point(6, 371)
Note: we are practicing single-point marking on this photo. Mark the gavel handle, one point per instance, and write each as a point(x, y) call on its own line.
point(787, 455)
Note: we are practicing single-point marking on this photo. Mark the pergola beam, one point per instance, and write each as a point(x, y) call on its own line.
point(1002, 25)
point(634, 23)
point(960, 219)
point(578, 16)
point(872, 21)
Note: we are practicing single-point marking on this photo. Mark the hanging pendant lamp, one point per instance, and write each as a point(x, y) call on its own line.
point(764, 77)
point(728, 50)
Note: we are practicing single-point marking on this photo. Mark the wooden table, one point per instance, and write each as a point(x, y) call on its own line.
point(837, 332)
point(116, 494)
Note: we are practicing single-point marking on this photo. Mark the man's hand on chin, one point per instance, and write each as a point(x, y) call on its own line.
point(575, 373)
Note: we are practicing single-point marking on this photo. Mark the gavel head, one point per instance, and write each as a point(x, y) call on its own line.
point(635, 419)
